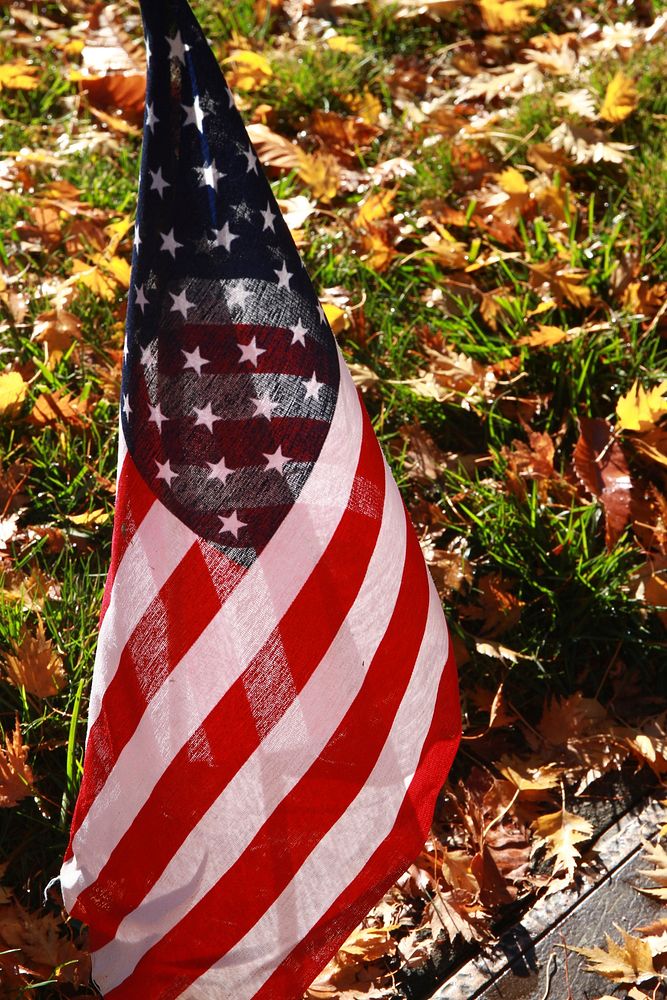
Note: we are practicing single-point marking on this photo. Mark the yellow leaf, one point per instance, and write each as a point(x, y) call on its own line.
point(90, 519)
point(513, 182)
point(640, 410)
point(559, 832)
point(321, 173)
point(509, 15)
point(12, 392)
point(376, 206)
point(120, 269)
point(250, 70)
point(35, 665)
point(337, 317)
point(620, 100)
point(19, 75)
point(367, 106)
point(544, 336)
point(343, 43)
point(630, 962)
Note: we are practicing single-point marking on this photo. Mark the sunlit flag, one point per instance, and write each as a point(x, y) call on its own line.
point(274, 703)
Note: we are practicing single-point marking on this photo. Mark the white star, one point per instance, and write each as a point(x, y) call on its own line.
point(127, 409)
point(250, 352)
point(219, 471)
point(268, 216)
point(139, 297)
point(252, 160)
point(206, 417)
point(320, 313)
point(169, 243)
point(157, 416)
point(276, 460)
point(237, 296)
point(230, 98)
point(181, 304)
point(283, 276)
point(151, 117)
point(209, 174)
point(231, 524)
point(166, 472)
point(264, 407)
point(194, 360)
point(194, 115)
point(158, 183)
point(126, 349)
point(223, 237)
point(137, 238)
point(312, 387)
point(147, 357)
point(299, 333)
point(176, 48)
point(148, 51)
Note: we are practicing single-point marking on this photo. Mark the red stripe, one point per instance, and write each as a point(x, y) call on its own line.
point(390, 859)
point(253, 704)
point(189, 597)
point(133, 501)
point(307, 813)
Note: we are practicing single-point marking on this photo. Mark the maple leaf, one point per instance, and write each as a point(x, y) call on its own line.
point(16, 777)
point(620, 99)
point(35, 664)
point(640, 410)
point(58, 409)
point(585, 144)
point(564, 284)
point(600, 464)
point(57, 330)
point(19, 75)
point(560, 832)
point(321, 173)
point(273, 150)
point(544, 336)
point(627, 963)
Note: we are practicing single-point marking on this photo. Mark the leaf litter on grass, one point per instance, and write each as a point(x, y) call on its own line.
point(468, 185)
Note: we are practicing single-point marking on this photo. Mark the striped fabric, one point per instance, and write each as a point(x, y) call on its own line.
point(274, 704)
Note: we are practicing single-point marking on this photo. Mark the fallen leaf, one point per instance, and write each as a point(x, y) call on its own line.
point(640, 409)
point(544, 336)
point(600, 464)
point(90, 518)
point(321, 173)
point(19, 75)
point(375, 206)
point(13, 390)
point(627, 963)
point(35, 664)
point(58, 330)
point(559, 833)
point(585, 144)
point(564, 284)
point(620, 100)
point(509, 15)
point(273, 150)
point(16, 777)
point(248, 70)
point(54, 408)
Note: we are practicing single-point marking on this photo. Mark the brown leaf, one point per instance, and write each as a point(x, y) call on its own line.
point(16, 777)
point(35, 664)
point(58, 330)
point(601, 466)
point(42, 949)
point(562, 283)
point(497, 608)
point(273, 150)
point(544, 336)
point(117, 92)
point(345, 137)
point(657, 855)
point(54, 408)
point(571, 718)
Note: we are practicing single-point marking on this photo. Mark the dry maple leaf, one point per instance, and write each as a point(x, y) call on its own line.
point(630, 962)
point(35, 664)
point(247, 70)
point(321, 173)
point(41, 947)
point(273, 150)
point(657, 855)
point(620, 99)
point(562, 283)
point(639, 410)
point(509, 15)
point(16, 777)
point(585, 144)
point(560, 832)
point(55, 409)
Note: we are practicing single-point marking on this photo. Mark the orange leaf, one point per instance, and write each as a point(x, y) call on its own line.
point(35, 665)
point(16, 777)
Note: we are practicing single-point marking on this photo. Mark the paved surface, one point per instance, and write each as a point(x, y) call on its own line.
point(530, 962)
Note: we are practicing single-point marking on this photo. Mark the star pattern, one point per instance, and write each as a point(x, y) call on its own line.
point(227, 352)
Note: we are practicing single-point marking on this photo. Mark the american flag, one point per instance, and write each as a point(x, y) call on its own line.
point(274, 704)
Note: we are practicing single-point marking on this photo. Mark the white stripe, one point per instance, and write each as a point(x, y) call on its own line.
point(283, 757)
point(153, 554)
point(225, 648)
point(340, 856)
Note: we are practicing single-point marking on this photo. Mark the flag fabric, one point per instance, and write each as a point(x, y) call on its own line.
point(274, 703)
